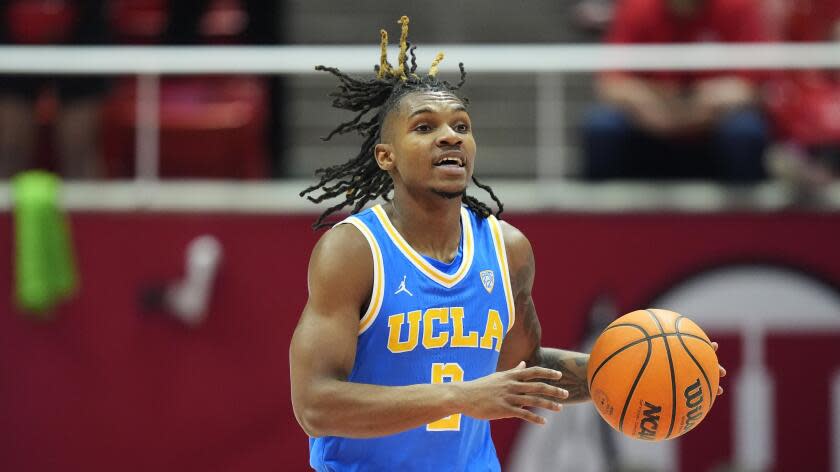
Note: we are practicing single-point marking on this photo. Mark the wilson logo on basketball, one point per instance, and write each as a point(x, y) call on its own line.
point(650, 421)
point(694, 400)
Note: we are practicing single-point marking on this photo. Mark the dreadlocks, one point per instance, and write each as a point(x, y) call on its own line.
point(360, 179)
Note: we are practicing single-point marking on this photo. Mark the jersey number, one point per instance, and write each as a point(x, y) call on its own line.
point(442, 373)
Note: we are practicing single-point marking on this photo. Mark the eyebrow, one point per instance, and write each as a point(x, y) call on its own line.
point(422, 110)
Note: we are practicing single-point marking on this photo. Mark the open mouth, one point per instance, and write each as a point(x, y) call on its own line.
point(450, 162)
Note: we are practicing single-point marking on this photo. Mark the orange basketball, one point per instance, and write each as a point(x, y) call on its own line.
point(653, 374)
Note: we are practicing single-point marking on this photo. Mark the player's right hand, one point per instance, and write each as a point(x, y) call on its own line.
point(510, 394)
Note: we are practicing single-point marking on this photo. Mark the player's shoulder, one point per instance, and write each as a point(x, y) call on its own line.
point(342, 241)
point(514, 238)
point(343, 249)
point(520, 255)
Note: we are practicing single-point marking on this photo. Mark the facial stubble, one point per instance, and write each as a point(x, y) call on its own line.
point(450, 195)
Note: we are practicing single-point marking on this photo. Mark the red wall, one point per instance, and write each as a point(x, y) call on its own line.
point(105, 386)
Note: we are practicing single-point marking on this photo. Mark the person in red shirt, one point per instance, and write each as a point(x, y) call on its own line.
point(679, 124)
point(803, 104)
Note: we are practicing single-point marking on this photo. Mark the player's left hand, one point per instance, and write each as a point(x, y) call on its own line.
point(722, 370)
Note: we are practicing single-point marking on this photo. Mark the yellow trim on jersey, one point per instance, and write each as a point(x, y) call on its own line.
point(431, 271)
point(377, 293)
point(501, 256)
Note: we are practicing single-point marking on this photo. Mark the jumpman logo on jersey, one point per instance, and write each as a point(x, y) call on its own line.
point(403, 289)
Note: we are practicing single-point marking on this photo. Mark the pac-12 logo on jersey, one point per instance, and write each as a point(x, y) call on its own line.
point(488, 279)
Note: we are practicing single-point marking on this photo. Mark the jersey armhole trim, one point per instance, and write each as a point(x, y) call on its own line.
point(501, 257)
point(377, 293)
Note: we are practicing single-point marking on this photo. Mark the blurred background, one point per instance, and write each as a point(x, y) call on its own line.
point(153, 248)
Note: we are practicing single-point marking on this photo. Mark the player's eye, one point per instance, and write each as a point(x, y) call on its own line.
point(422, 127)
point(462, 128)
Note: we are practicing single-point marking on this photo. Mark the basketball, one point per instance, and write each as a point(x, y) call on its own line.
point(653, 374)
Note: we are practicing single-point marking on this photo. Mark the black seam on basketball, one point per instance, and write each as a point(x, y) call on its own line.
point(671, 367)
point(633, 389)
point(702, 371)
point(689, 335)
point(618, 351)
point(634, 343)
point(633, 325)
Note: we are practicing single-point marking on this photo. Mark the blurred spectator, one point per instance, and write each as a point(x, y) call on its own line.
point(210, 126)
point(594, 15)
point(77, 98)
point(679, 124)
point(805, 105)
point(187, 20)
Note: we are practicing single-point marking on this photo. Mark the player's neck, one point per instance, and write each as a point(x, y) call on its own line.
point(432, 228)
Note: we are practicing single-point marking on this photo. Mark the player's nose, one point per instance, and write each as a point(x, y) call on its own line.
point(449, 137)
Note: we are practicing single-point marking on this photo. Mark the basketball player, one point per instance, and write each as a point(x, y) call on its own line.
point(420, 325)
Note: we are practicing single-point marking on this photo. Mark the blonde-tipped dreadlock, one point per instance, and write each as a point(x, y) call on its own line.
point(403, 46)
point(433, 70)
point(360, 179)
point(384, 66)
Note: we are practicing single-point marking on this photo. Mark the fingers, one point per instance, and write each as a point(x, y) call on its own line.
point(521, 403)
point(528, 415)
point(537, 373)
point(722, 371)
point(543, 389)
point(534, 402)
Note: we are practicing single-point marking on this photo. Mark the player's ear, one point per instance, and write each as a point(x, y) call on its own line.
point(384, 155)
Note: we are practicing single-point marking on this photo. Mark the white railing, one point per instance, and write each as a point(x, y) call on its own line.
point(504, 58)
point(518, 196)
point(546, 62)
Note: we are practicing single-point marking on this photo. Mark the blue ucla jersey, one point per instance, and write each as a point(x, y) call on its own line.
point(427, 322)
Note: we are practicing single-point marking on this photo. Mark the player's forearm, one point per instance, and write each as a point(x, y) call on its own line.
point(355, 410)
point(573, 366)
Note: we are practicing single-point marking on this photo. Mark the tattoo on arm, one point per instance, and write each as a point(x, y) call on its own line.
point(571, 364)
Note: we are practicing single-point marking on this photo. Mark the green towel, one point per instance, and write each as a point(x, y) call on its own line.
point(44, 263)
